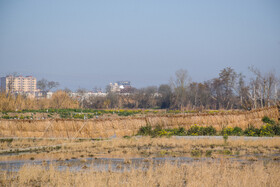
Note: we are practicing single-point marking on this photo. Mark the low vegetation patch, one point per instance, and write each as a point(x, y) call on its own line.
point(270, 128)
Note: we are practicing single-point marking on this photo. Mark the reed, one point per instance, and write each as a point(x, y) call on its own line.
point(127, 126)
point(222, 173)
point(142, 147)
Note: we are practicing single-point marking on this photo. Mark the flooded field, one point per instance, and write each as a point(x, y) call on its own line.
point(141, 161)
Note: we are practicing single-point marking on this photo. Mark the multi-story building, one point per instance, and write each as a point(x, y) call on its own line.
point(19, 84)
point(120, 86)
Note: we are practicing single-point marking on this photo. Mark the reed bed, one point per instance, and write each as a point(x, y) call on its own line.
point(144, 147)
point(222, 173)
point(127, 126)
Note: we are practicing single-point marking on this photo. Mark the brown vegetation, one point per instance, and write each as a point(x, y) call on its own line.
point(166, 174)
point(138, 147)
point(121, 126)
point(60, 99)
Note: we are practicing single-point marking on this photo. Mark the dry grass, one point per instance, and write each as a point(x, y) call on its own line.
point(60, 99)
point(142, 147)
point(95, 128)
point(167, 174)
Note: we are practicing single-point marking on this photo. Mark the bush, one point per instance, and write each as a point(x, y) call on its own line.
point(251, 131)
point(266, 119)
point(266, 130)
point(65, 115)
point(145, 130)
point(194, 130)
point(79, 116)
point(210, 131)
point(271, 128)
point(236, 131)
point(276, 129)
point(6, 117)
point(201, 131)
point(90, 116)
point(179, 132)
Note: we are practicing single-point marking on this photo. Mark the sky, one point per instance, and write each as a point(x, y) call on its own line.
point(87, 44)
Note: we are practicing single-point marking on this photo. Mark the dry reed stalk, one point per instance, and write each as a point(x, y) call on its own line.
point(144, 146)
point(96, 128)
point(166, 174)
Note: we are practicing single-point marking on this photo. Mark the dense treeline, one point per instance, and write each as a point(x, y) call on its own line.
point(229, 90)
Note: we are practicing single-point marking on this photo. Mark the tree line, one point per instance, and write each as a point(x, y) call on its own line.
point(229, 90)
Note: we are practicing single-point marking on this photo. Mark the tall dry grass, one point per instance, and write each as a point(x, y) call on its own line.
point(223, 173)
point(96, 128)
point(60, 99)
point(142, 147)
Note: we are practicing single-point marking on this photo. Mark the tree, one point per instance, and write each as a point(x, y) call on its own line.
point(222, 88)
point(180, 85)
point(112, 100)
point(81, 96)
point(264, 89)
point(45, 85)
point(145, 97)
point(165, 92)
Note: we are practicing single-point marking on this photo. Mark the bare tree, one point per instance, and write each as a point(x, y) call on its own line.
point(263, 87)
point(45, 85)
point(179, 86)
point(11, 80)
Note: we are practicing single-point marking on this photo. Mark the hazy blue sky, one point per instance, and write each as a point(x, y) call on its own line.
point(91, 43)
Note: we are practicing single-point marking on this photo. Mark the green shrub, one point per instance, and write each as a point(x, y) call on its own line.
point(194, 130)
point(201, 131)
point(79, 116)
point(208, 153)
point(210, 131)
point(163, 132)
point(196, 153)
point(89, 116)
point(266, 119)
point(251, 131)
point(6, 117)
point(266, 130)
point(179, 132)
point(276, 129)
point(145, 130)
point(65, 115)
point(158, 131)
point(236, 131)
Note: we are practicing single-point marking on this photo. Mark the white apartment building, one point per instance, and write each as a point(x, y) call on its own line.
point(19, 84)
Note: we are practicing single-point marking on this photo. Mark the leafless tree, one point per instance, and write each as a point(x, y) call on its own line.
point(179, 86)
point(45, 85)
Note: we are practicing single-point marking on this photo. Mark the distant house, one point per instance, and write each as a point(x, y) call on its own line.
point(120, 87)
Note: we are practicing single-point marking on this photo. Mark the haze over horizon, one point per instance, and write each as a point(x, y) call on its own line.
point(87, 44)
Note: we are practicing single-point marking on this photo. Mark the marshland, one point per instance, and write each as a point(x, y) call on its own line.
point(134, 161)
point(139, 93)
point(143, 148)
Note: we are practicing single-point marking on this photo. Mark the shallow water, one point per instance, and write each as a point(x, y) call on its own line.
point(120, 164)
